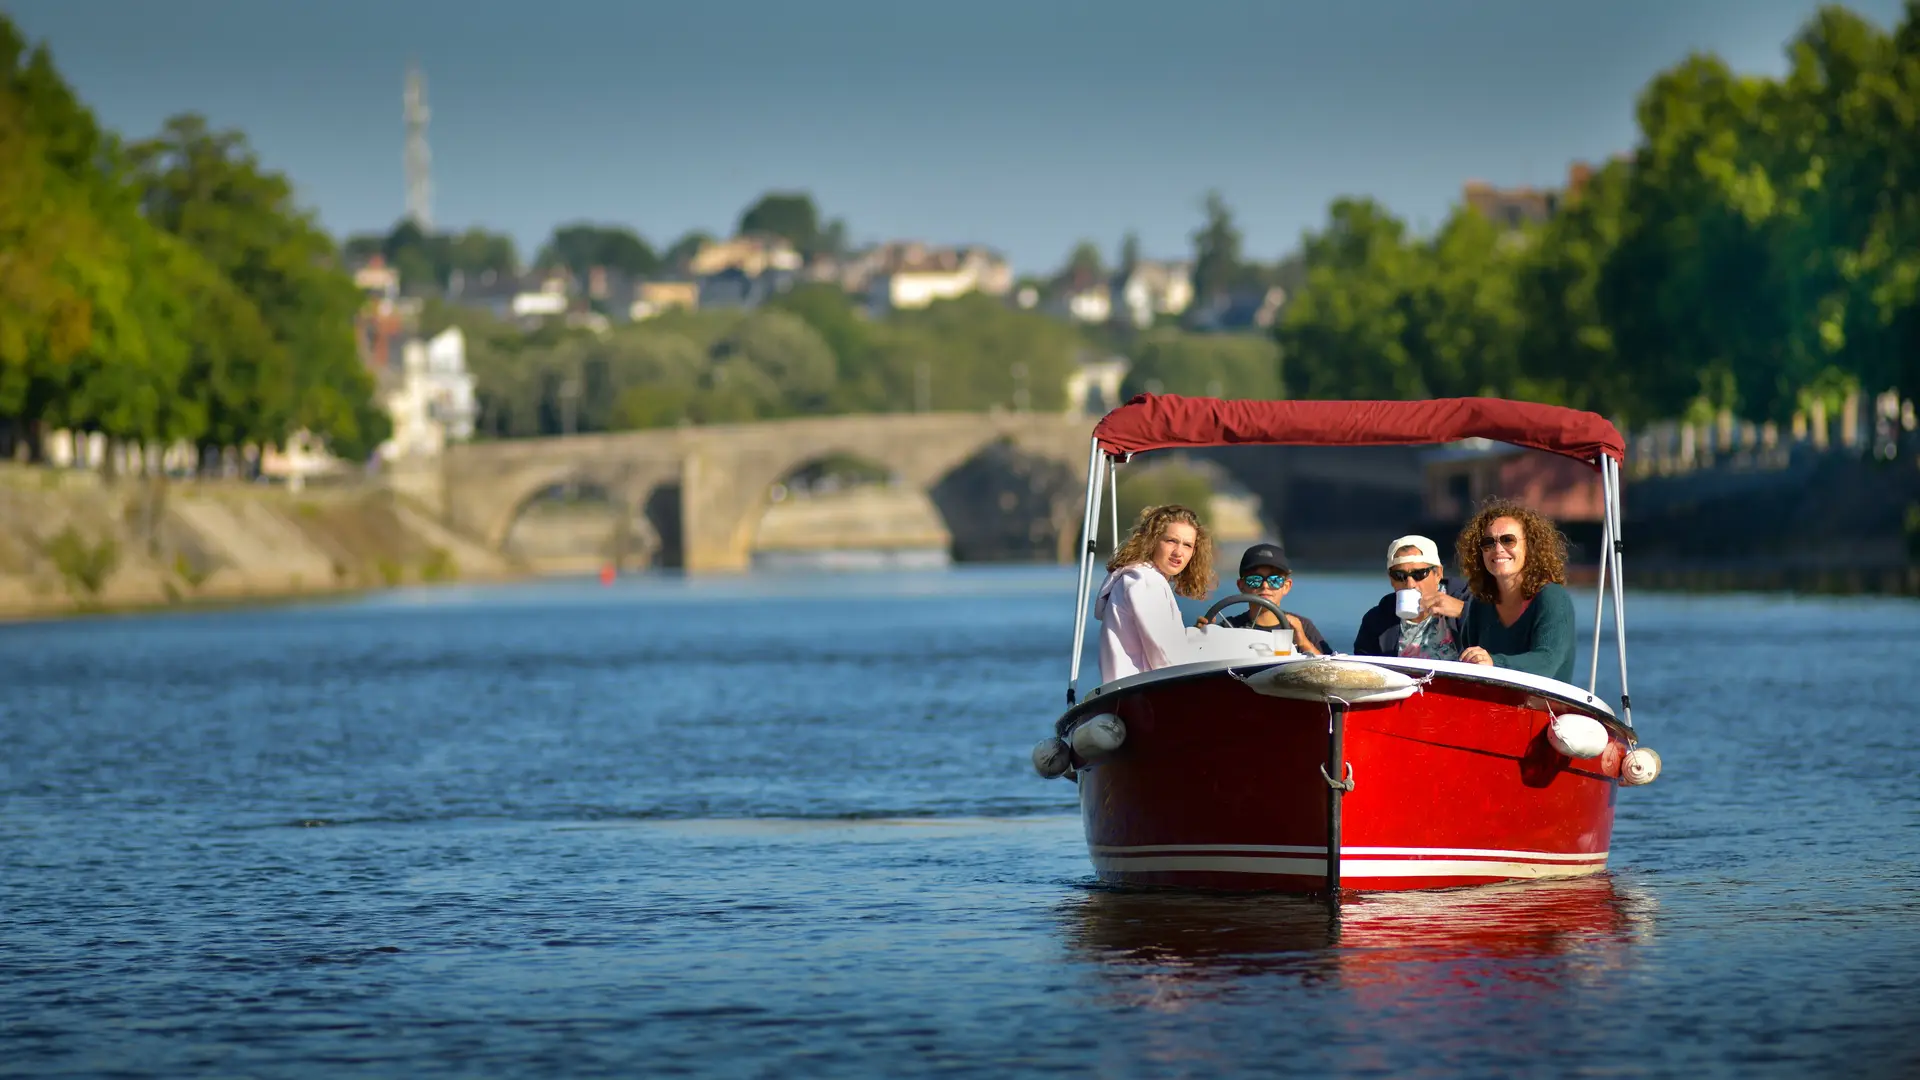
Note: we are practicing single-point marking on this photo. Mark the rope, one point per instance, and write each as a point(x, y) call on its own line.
point(1338, 785)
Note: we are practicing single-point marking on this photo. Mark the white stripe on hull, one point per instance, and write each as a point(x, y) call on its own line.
point(1350, 869)
point(1345, 852)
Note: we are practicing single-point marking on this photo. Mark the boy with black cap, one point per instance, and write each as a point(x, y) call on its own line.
point(1264, 573)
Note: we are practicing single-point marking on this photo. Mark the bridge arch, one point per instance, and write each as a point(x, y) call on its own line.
point(921, 451)
point(721, 475)
point(634, 489)
point(1007, 503)
point(823, 503)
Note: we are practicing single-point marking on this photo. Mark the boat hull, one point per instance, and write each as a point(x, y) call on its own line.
point(1220, 787)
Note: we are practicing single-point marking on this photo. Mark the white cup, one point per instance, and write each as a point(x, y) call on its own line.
point(1406, 603)
point(1283, 642)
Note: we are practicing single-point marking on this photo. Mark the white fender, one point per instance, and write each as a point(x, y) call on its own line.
point(1051, 758)
point(1328, 678)
point(1577, 736)
point(1098, 736)
point(1641, 766)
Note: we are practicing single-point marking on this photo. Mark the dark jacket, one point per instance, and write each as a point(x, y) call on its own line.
point(1380, 628)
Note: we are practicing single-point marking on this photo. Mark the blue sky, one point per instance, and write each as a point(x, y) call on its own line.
point(1022, 125)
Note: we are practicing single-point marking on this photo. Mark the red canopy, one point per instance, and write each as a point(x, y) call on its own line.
point(1154, 422)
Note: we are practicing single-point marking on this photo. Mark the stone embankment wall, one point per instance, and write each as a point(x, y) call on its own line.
point(71, 541)
point(1819, 522)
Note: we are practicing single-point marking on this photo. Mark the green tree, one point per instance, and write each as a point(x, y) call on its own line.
point(778, 360)
point(1464, 321)
point(834, 240)
point(660, 377)
point(419, 258)
point(978, 353)
point(682, 251)
point(90, 352)
point(790, 214)
point(1216, 254)
point(580, 247)
point(1347, 332)
point(208, 189)
point(1170, 361)
point(1566, 346)
point(49, 235)
point(1159, 484)
point(861, 384)
point(1083, 266)
point(477, 253)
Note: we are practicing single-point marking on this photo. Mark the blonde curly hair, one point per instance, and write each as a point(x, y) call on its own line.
point(1196, 580)
point(1546, 550)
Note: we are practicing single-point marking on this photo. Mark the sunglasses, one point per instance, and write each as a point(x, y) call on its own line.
point(1506, 540)
point(1400, 576)
point(1254, 582)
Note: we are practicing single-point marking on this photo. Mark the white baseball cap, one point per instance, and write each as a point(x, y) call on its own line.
point(1426, 552)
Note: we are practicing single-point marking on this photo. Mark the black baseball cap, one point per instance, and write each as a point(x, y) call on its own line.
point(1265, 555)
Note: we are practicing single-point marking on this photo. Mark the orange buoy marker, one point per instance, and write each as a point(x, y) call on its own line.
point(606, 574)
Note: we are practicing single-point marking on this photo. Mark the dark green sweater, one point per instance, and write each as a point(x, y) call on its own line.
point(1540, 641)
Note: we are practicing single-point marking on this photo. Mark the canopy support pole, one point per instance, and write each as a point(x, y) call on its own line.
point(1610, 472)
point(1113, 500)
point(1600, 586)
point(1089, 538)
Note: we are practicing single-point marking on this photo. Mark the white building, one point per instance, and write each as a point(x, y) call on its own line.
point(1152, 290)
point(908, 290)
point(905, 275)
point(1090, 304)
point(432, 403)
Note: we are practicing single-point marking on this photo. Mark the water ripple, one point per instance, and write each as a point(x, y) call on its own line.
point(778, 825)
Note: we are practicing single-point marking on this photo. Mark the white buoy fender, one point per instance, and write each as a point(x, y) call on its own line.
point(1098, 736)
point(1642, 766)
point(1327, 678)
point(1577, 736)
point(1051, 757)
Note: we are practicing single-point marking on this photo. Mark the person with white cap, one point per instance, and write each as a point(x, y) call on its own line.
point(1421, 617)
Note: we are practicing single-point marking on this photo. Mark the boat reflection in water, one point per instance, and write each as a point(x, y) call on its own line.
point(1471, 946)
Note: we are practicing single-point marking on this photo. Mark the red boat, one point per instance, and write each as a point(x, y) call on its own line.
point(1245, 770)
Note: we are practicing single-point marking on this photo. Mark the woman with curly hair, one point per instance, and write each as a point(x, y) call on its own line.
point(1140, 624)
point(1515, 562)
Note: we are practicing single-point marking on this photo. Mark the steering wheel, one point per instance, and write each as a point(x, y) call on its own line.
point(1250, 601)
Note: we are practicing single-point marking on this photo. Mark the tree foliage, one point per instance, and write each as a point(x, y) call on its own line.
point(790, 214)
point(435, 263)
point(1158, 484)
point(682, 251)
point(807, 352)
point(1759, 249)
point(580, 247)
point(164, 291)
point(1216, 253)
point(1166, 361)
point(1084, 266)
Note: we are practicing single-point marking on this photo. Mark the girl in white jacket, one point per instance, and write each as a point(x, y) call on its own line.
point(1140, 624)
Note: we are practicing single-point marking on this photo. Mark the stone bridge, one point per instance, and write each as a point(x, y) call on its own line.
point(712, 484)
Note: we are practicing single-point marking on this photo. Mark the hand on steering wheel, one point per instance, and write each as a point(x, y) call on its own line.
point(1243, 598)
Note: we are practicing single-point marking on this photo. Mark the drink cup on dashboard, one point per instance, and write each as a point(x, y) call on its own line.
point(1406, 603)
point(1283, 642)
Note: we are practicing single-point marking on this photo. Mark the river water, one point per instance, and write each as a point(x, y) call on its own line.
point(785, 825)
